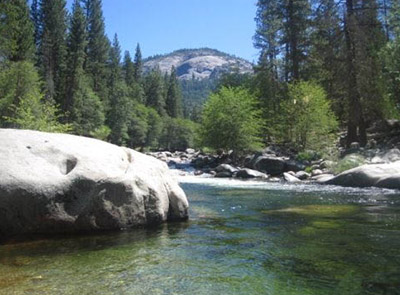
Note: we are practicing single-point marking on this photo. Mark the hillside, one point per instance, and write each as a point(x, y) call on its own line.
point(201, 63)
point(198, 71)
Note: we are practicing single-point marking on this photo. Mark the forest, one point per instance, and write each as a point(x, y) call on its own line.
point(325, 67)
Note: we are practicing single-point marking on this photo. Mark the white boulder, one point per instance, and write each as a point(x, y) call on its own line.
point(51, 183)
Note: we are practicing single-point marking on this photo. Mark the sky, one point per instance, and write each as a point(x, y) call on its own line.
point(162, 26)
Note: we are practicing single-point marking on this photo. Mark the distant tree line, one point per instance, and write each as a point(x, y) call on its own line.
point(59, 72)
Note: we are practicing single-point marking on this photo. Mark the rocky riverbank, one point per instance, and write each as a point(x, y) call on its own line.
point(375, 164)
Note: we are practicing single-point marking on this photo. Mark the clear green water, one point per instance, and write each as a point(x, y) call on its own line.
point(280, 240)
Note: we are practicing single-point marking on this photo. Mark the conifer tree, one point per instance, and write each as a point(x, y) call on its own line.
point(16, 31)
point(138, 64)
point(327, 54)
point(53, 47)
point(174, 97)
point(119, 104)
point(97, 48)
point(128, 69)
point(81, 106)
point(154, 91)
point(36, 19)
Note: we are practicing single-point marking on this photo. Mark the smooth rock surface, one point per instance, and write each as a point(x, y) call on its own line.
point(290, 178)
point(53, 183)
point(380, 175)
point(249, 173)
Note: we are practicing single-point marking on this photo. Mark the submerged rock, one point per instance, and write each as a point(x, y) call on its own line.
point(53, 183)
point(379, 175)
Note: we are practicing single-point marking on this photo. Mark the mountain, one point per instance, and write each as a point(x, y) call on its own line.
point(203, 63)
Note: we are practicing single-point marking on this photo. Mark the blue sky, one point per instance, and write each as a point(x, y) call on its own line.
point(161, 26)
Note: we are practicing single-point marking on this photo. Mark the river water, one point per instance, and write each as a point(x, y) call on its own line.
point(242, 238)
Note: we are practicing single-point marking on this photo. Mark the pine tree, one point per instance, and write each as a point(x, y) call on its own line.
point(138, 64)
point(154, 91)
point(119, 104)
point(97, 48)
point(267, 38)
point(16, 31)
point(81, 106)
point(128, 69)
point(35, 17)
point(174, 96)
point(53, 47)
point(327, 54)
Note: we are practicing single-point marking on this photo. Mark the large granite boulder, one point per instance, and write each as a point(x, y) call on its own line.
point(379, 175)
point(52, 183)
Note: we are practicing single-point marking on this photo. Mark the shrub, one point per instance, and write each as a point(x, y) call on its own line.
point(307, 121)
point(231, 121)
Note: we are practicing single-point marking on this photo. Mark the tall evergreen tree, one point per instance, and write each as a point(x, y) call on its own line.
point(16, 31)
point(37, 23)
point(138, 64)
point(53, 47)
point(327, 54)
point(128, 69)
point(174, 96)
point(296, 16)
point(97, 48)
point(154, 91)
point(119, 104)
point(81, 106)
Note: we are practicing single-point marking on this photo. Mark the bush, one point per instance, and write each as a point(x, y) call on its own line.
point(307, 121)
point(231, 121)
point(23, 106)
point(177, 134)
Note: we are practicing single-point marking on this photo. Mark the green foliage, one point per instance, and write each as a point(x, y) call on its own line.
point(231, 121)
point(308, 155)
point(194, 94)
point(177, 134)
point(53, 48)
point(87, 114)
point(174, 98)
point(18, 80)
point(118, 114)
point(22, 104)
point(155, 127)
point(97, 48)
point(138, 63)
point(144, 126)
point(307, 119)
point(154, 91)
point(16, 31)
point(390, 57)
point(101, 133)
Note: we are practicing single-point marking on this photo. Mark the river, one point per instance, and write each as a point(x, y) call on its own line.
point(242, 238)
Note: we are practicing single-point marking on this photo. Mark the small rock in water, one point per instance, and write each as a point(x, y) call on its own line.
point(249, 173)
point(290, 178)
point(302, 175)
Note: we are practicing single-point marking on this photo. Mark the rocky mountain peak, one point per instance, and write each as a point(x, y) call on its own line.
point(198, 63)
